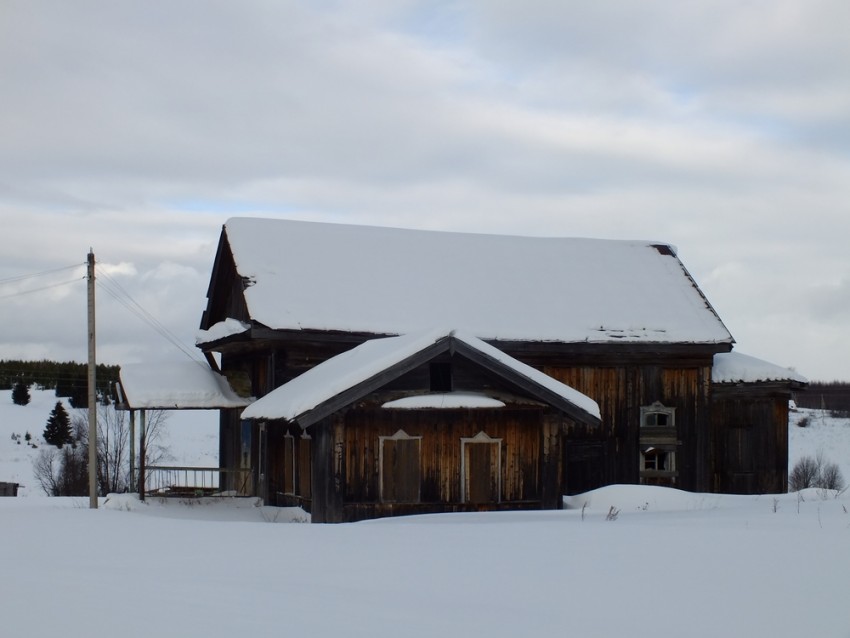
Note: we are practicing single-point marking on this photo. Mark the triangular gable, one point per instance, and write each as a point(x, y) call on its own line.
point(299, 275)
point(351, 375)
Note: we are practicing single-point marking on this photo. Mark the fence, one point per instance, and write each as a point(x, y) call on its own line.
point(196, 481)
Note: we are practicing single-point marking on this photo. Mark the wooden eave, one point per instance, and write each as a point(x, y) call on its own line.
point(452, 345)
point(765, 388)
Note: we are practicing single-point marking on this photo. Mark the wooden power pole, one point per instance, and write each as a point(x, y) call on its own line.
point(92, 395)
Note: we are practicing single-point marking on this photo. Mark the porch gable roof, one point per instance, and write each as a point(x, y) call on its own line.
point(345, 378)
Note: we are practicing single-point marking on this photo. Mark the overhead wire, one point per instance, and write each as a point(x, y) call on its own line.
point(9, 280)
point(20, 293)
point(115, 290)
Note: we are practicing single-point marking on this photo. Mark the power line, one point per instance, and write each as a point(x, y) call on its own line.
point(9, 280)
point(117, 292)
point(32, 290)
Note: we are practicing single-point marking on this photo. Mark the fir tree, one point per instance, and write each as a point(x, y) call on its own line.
point(58, 429)
point(20, 393)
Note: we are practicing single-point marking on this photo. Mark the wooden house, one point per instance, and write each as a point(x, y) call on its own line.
point(619, 322)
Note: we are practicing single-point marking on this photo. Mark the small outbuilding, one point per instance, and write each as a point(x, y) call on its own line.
point(750, 400)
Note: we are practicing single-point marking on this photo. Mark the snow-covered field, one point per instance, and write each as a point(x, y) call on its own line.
point(671, 562)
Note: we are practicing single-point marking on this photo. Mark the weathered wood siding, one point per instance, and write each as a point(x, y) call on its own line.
point(620, 392)
point(441, 432)
point(750, 451)
point(346, 460)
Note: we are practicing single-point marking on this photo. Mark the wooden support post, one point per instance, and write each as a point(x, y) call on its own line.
point(132, 450)
point(92, 392)
point(142, 456)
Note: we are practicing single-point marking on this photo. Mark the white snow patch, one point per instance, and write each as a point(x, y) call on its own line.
point(446, 400)
point(220, 330)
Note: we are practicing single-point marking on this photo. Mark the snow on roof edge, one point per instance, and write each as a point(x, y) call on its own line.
point(342, 372)
point(736, 367)
point(182, 385)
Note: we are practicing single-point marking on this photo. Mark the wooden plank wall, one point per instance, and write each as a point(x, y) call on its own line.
point(750, 452)
point(620, 392)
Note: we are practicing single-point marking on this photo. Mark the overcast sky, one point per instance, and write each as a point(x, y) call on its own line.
point(139, 128)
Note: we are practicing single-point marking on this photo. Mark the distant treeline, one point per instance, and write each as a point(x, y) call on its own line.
point(833, 396)
point(68, 379)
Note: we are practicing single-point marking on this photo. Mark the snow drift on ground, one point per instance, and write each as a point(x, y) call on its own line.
point(694, 565)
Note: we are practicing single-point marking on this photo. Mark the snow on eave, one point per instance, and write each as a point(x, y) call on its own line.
point(735, 367)
point(221, 330)
point(358, 365)
point(183, 385)
point(445, 400)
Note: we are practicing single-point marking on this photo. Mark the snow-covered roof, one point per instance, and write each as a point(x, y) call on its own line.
point(306, 275)
point(345, 371)
point(176, 386)
point(734, 367)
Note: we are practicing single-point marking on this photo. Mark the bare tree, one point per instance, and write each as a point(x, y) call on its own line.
point(815, 472)
point(45, 468)
point(831, 477)
point(804, 474)
point(113, 444)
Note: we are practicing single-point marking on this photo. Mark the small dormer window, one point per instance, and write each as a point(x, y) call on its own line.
point(441, 377)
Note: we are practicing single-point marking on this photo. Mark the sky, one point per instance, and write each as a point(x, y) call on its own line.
point(138, 129)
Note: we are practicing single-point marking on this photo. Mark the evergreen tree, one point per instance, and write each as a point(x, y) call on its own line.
point(58, 429)
point(20, 393)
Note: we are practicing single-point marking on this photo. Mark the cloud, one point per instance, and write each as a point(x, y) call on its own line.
point(137, 129)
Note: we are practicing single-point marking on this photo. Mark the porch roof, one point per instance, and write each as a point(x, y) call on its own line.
point(188, 385)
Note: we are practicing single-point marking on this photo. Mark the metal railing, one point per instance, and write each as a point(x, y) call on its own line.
point(164, 480)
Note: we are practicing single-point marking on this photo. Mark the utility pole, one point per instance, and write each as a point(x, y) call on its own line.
point(92, 396)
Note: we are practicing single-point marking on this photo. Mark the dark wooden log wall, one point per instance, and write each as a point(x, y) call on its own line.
point(750, 451)
point(621, 391)
point(441, 431)
point(346, 460)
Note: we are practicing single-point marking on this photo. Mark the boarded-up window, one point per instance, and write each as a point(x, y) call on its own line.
point(400, 468)
point(481, 469)
point(305, 467)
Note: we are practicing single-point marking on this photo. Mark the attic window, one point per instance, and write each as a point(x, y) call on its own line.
point(441, 377)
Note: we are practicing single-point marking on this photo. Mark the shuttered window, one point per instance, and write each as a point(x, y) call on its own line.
point(400, 468)
point(481, 472)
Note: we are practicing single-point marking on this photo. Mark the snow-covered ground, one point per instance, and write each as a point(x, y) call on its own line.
point(682, 564)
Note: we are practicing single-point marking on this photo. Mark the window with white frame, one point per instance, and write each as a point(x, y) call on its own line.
point(481, 469)
point(400, 468)
point(658, 445)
